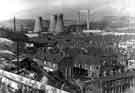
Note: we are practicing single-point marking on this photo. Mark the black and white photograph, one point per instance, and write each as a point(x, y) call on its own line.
point(67, 46)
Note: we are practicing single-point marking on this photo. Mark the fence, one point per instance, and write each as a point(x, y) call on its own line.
point(12, 83)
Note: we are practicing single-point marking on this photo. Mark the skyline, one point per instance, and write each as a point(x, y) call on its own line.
point(34, 8)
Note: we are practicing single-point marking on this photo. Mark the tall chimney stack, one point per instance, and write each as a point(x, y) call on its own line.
point(14, 24)
point(60, 24)
point(38, 25)
point(52, 25)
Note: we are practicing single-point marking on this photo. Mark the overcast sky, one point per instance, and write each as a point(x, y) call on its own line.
point(32, 8)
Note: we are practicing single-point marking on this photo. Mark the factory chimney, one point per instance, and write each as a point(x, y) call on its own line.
point(60, 24)
point(38, 25)
point(52, 25)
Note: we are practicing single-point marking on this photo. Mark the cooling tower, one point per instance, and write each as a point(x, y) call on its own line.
point(60, 24)
point(52, 25)
point(38, 25)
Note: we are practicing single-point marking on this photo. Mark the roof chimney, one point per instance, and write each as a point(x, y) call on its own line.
point(53, 20)
point(60, 24)
point(38, 25)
